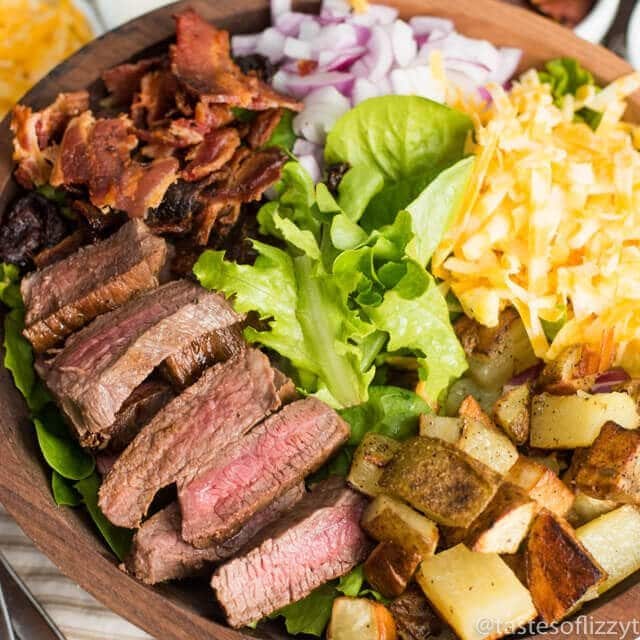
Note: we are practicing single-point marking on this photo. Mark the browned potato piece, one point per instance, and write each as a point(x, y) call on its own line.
point(560, 570)
point(360, 619)
point(448, 429)
point(438, 479)
point(542, 485)
point(388, 519)
point(610, 468)
point(372, 455)
point(389, 568)
point(585, 508)
point(416, 620)
point(512, 412)
point(502, 526)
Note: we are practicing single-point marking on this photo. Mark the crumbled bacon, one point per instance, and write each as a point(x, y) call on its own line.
point(34, 131)
point(123, 81)
point(72, 162)
point(262, 127)
point(254, 175)
point(201, 59)
point(156, 98)
point(211, 154)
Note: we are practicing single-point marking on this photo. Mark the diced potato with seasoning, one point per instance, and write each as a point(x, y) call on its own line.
point(488, 444)
point(610, 468)
point(388, 519)
point(476, 593)
point(390, 567)
point(568, 422)
point(542, 485)
point(585, 508)
point(502, 526)
point(440, 480)
point(447, 429)
point(512, 412)
point(612, 539)
point(369, 460)
point(561, 573)
point(360, 619)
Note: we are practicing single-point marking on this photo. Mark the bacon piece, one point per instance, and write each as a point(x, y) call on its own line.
point(213, 152)
point(123, 81)
point(201, 59)
point(257, 172)
point(72, 163)
point(263, 127)
point(142, 187)
point(156, 99)
point(34, 131)
point(110, 146)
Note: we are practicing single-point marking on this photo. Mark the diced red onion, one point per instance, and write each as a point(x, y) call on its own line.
point(271, 44)
point(340, 60)
point(425, 25)
point(323, 107)
point(244, 45)
point(301, 86)
point(418, 81)
point(363, 89)
point(278, 7)
point(309, 29)
point(609, 380)
point(312, 167)
point(403, 43)
point(382, 14)
point(334, 9)
point(289, 23)
point(335, 37)
point(508, 61)
point(528, 375)
point(376, 64)
point(296, 48)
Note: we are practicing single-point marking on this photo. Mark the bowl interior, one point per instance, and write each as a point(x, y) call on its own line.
point(187, 611)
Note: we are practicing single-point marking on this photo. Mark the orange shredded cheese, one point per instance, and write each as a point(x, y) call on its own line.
point(35, 35)
point(551, 221)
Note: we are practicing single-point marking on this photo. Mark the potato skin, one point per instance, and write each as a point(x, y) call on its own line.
point(610, 468)
point(372, 455)
point(360, 619)
point(439, 480)
point(560, 570)
point(512, 412)
point(389, 568)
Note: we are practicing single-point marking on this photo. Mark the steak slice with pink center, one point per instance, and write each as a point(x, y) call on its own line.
point(159, 553)
point(321, 539)
point(101, 365)
point(190, 431)
point(262, 465)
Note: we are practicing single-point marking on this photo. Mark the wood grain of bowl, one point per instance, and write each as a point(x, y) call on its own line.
point(187, 611)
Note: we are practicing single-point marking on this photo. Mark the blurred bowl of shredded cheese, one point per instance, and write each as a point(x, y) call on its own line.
point(35, 36)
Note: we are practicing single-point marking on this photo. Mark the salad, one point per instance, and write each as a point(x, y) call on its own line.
point(443, 257)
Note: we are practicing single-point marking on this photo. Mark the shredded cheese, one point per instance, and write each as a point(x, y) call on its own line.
point(551, 221)
point(35, 35)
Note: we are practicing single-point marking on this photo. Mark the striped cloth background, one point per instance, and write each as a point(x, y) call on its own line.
point(78, 615)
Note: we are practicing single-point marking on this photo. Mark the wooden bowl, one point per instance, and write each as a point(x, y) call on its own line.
point(187, 611)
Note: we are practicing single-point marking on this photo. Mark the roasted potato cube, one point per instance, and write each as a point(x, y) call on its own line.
point(502, 526)
point(438, 479)
point(372, 455)
point(610, 468)
point(511, 412)
point(416, 619)
point(390, 567)
point(476, 593)
point(387, 519)
point(447, 429)
point(612, 539)
point(567, 422)
point(542, 485)
point(560, 570)
point(585, 508)
point(360, 619)
point(488, 445)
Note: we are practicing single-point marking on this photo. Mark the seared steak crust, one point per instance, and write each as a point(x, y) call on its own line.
point(159, 553)
point(319, 540)
point(101, 365)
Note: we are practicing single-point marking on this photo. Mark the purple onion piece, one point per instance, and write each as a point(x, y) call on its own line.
point(528, 375)
point(609, 380)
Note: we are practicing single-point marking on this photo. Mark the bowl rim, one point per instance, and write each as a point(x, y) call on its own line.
point(24, 486)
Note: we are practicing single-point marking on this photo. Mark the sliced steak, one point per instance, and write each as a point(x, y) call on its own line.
point(252, 472)
point(185, 367)
point(138, 409)
point(159, 553)
point(319, 540)
point(225, 403)
point(66, 295)
point(287, 391)
point(101, 365)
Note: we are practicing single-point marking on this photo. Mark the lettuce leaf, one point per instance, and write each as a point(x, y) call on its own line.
point(310, 322)
point(283, 135)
